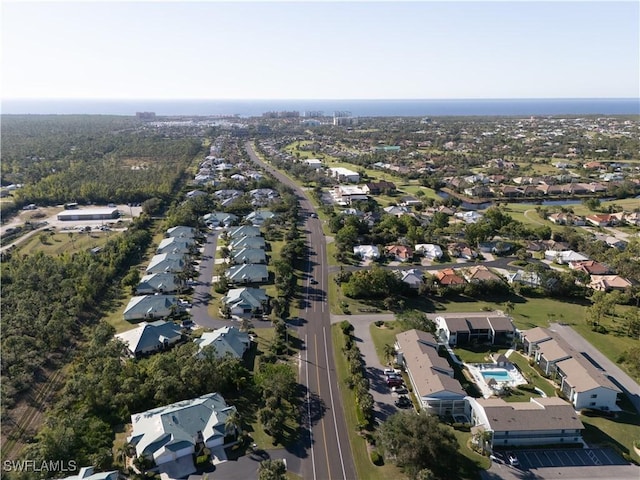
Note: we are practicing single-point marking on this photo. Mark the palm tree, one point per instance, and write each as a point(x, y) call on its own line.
point(509, 307)
point(232, 423)
point(389, 352)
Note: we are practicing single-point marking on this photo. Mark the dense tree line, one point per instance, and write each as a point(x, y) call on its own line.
point(46, 301)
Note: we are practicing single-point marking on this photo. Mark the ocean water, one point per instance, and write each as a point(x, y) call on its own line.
point(358, 108)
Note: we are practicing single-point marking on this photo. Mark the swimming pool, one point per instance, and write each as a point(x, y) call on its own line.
point(498, 374)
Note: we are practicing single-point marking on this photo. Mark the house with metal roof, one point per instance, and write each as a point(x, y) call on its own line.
point(220, 219)
point(431, 376)
point(158, 283)
point(170, 434)
point(249, 255)
point(257, 218)
point(540, 421)
point(175, 245)
point(246, 301)
point(181, 231)
point(224, 341)
point(247, 242)
point(244, 231)
point(149, 306)
point(150, 337)
point(247, 273)
point(166, 263)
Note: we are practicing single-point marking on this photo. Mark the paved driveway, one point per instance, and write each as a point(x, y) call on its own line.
point(382, 397)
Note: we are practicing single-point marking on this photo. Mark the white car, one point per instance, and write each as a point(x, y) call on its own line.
point(513, 460)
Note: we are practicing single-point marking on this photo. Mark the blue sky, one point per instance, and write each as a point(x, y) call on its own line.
point(320, 50)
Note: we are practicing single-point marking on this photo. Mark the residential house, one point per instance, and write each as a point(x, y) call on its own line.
point(220, 219)
point(366, 252)
point(400, 253)
point(606, 283)
point(175, 245)
point(247, 273)
point(89, 473)
point(246, 242)
point(480, 273)
point(196, 194)
point(225, 341)
point(585, 386)
point(591, 267)
point(461, 250)
point(166, 263)
point(469, 217)
point(248, 255)
point(169, 435)
point(448, 277)
point(476, 328)
point(564, 257)
point(346, 194)
point(376, 188)
point(562, 218)
point(261, 197)
point(150, 306)
point(397, 210)
point(409, 201)
point(344, 174)
point(257, 218)
point(430, 375)
point(429, 250)
point(158, 283)
point(243, 302)
point(602, 220)
point(244, 231)
point(541, 421)
point(523, 277)
point(181, 231)
point(411, 277)
point(150, 337)
point(313, 163)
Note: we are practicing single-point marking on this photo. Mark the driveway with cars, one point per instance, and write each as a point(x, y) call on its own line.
point(382, 396)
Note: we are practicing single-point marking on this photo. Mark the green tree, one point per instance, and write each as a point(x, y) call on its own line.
point(272, 470)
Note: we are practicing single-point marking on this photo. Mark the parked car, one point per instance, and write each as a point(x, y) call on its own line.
point(402, 402)
point(513, 460)
point(394, 382)
point(400, 390)
point(391, 371)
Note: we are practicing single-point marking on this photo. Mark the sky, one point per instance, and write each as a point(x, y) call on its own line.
point(319, 50)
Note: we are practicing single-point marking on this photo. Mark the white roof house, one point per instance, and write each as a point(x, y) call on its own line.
point(257, 218)
point(245, 301)
point(181, 231)
point(247, 273)
point(150, 337)
point(225, 341)
point(469, 217)
point(170, 433)
point(166, 263)
point(244, 231)
point(149, 306)
point(564, 257)
point(249, 255)
point(176, 245)
point(313, 163)
point(158, 283)
point(366, 251)
point(344, 174)
point(246, 242)
point(411, 277)
point(429, 250)
point(218, 219)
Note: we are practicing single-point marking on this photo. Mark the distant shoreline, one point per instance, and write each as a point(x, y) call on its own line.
point(356, 108)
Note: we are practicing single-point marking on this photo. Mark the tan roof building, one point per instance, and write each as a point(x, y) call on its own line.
point(430, 374)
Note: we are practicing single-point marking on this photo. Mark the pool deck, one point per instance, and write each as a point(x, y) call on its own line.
point(476, 372)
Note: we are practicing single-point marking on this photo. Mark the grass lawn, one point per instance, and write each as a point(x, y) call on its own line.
point(384, 335)
point(474, 461)
point(355, 307)
point(479, 354)
point(364, 467)
point(59, 242)
point(532, 375)
point(619, 432)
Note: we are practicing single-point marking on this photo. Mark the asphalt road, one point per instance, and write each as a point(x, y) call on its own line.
point(326, 453)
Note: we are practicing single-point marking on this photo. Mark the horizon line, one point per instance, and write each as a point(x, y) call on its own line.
point(304, 99)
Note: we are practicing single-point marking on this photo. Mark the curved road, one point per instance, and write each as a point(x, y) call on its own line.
point(328, 453)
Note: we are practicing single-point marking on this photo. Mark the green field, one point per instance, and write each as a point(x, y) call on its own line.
point(55, 243)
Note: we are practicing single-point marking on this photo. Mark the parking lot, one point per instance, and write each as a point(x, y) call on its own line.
point(575, 457)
